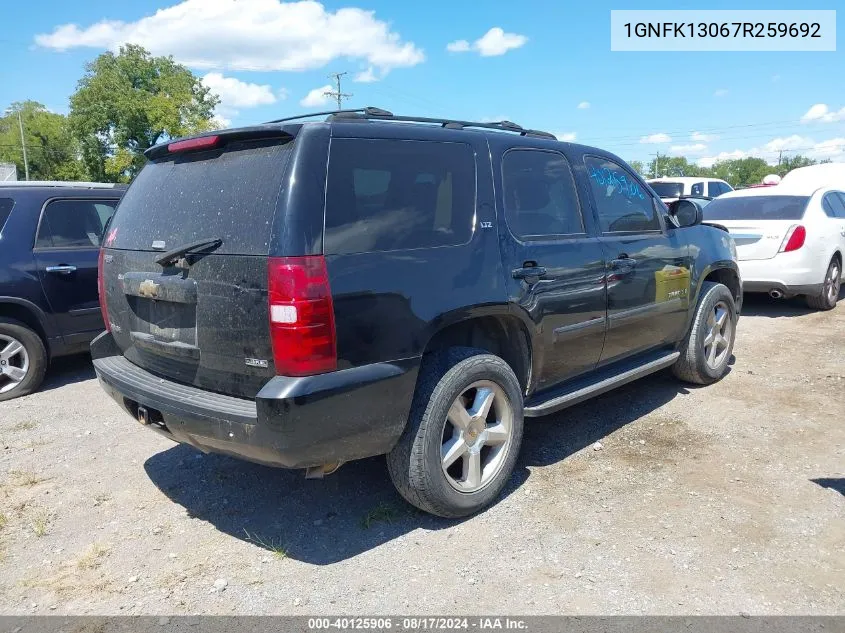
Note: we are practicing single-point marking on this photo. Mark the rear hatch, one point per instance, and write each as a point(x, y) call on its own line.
point(200, 318)
point(759, 224)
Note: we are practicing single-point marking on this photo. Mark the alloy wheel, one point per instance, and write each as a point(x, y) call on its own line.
point(14, 363)
point(477, 436)
point(717, 342)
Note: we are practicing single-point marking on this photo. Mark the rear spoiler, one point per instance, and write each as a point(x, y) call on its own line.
point(219, 138)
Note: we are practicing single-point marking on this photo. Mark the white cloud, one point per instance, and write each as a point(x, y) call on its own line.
point(316, 97)
point(569, 137)
point(221, 122)
point(458, 46)
point(786, 143)
point(820, 112)
point(682, 150)
point(656, 138)
point(367, 76)
point(721, 92)
point(701, 137)
point(832, 148)
point(709, 161)
point(235, 93)
point(493, 43)
point(259, 35)
point(584, 105)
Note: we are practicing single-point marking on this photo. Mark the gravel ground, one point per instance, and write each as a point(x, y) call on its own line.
point(657, 498)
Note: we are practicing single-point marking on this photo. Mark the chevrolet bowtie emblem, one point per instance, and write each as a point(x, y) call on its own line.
point(148, 288)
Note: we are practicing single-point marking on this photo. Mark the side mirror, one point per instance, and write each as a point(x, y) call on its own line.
point(686, 213)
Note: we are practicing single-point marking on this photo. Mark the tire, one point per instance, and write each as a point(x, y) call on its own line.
point(32, 358)
point(695, 364)
point(829, 294)
point(461, 377)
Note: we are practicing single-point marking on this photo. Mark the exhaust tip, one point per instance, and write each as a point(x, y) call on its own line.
point(774, 293)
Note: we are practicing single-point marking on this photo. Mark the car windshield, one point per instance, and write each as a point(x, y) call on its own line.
point(757, 208)
point(668, 189)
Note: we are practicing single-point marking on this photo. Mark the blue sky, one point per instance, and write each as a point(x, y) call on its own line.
point(541, 62)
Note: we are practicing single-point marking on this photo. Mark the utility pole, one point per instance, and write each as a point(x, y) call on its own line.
point(337, 94)
point(23, 146)
point(656, 166)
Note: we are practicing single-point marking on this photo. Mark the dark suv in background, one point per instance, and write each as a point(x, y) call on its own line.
point(49, 241)
point(303, 294)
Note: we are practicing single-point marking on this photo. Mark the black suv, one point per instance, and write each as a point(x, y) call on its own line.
point(49, 241)
point(304, 294)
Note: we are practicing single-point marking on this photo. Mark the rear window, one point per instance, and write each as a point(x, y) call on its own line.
point(386, 195)
point(228, 193)
point(668, 189)
point(757, 208)
point(6, 205)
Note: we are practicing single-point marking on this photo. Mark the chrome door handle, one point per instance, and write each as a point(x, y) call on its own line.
point(64, 269)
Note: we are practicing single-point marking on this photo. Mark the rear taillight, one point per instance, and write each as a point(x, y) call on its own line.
point(301, 316)
point(101, 290)
point(794, 239)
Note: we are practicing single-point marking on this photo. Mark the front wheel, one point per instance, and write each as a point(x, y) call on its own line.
point(463, 434)
point(706, 351)
point(829, 294)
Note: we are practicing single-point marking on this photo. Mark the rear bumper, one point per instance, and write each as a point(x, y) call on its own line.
point(790, 275)
point(293, 422)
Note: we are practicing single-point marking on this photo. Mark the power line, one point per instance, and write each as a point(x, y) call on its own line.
point(337, 94)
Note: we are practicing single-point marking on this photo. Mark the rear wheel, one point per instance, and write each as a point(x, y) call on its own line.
point(829, 294)
point(706, 351)
point(23, 360)
point(463, 434)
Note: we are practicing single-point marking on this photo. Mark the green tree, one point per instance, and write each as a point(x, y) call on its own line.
point(638, 167)
point(741, 172)
point(52, 151)
point(128, 102)
point(673, 166)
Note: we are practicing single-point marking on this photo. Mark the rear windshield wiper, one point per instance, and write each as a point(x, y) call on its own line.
point(203, 245)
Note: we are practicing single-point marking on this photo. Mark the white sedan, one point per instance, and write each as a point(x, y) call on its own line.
point(790, 239)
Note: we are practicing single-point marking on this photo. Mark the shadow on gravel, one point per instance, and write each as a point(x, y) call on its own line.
point(837, 484)
point(758, 304)
point(67, 370)
point(355, 510)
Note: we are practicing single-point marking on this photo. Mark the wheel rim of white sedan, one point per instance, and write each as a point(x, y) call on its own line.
point(14, 363)
point(832, 283)
point(477, 436)
point(717, 342)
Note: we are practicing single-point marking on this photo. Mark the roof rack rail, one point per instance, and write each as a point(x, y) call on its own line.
point(371, 113)
point(76, 184)
point(369, 110)
point(458, 124)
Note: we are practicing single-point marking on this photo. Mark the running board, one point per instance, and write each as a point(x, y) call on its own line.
point(558, 402)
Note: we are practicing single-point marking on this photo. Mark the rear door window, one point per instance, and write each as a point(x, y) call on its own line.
point(385, 195)
point(757, 208)
point(697, 189)
point(622, 204)
point(714, 189)
point(539, 194)
point(73, 223)
point(227, 193)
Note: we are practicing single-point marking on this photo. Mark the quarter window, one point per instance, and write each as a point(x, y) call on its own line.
point(6, 205)
point(74, 223)
point(622, 203)
point(833, 205)
point(386, 195)
point(539, 194)
point(697, 189)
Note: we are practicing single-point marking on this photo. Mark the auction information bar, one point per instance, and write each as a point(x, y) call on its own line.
point(723, 30)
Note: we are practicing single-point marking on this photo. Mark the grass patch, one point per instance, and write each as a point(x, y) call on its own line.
point(4, 520)
point(279, 551)
point(24, 478)
point(40, 524)
point(382, 513)
point(101, 498)
point(93, 558)
point(24, 426)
